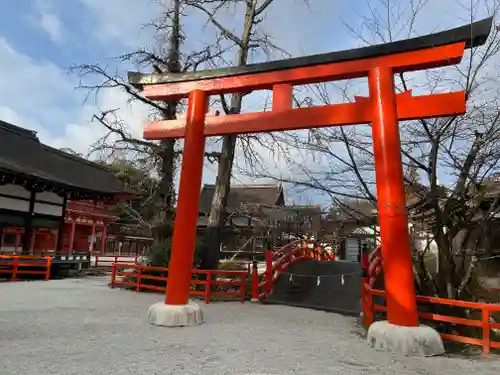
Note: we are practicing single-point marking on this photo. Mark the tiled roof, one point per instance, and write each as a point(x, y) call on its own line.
point(271, 195)
point(23, 155)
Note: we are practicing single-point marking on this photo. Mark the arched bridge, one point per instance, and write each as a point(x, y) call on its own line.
point(303, 273)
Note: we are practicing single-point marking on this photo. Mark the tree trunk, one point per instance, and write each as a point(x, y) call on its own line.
point(216, 220)
point(164, 197)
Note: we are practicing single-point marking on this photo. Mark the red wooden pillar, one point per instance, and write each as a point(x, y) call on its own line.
point(282, 97)
point(103, 238)
point(18, 241)
point(32, 241)
point(72, 235)
point(92, 238)
point(398, 268)
point(183, 241)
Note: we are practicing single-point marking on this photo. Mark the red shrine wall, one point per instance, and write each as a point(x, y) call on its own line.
point(86, 216)
point(45, 240)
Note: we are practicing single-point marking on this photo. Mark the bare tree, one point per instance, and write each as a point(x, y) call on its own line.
point(162, 156)
point(250, 38)
point(462, 150)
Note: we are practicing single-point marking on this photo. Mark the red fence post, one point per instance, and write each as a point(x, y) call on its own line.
point(113, 275)
point(269, 270)
point(47, 272)
point(139, 278)
point(208, 288)
point(255, 282)
point(486, 329)
point(363, 300)
point(368, 306)
point(243, 287)
point(14, 269)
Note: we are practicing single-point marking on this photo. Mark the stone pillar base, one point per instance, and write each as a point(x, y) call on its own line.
point(411, 341)
point(164, 315)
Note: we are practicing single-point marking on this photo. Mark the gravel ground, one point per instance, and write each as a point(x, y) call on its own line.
point(80, 326)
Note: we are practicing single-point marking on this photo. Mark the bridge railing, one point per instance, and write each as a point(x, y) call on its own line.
point(19, 265)
point(109, 260)
point(133, 275)
point(278, 261)
point(375, 265)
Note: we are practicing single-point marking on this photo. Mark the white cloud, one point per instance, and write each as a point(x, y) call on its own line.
point(120, 21)
point(48, 20)
point(52, 25)
point(41, 96)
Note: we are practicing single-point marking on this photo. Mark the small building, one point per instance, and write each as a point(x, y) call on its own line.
point(240, 195)
point(256, 212)
point(50, 200)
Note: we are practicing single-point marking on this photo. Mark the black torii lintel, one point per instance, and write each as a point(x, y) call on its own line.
point(474, 35)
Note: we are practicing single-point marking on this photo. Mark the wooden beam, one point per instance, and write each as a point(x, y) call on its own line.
point(400, 62)
point(359, 112)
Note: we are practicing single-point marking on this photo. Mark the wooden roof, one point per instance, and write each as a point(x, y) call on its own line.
point(25, 160)
point(271, 194)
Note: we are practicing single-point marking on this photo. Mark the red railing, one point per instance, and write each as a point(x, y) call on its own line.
point(18, 265)
point(108, 261)
point(484, 323)
point(277, 261)
point(91, 208)
point(375, 265)
point(136, 278)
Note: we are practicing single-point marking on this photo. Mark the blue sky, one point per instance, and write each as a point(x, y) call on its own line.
point(40, 39)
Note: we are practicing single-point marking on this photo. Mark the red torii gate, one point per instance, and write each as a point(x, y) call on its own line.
point(382, 109)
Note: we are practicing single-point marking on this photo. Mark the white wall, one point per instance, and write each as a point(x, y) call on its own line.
point(12, 202)
point(420, 240)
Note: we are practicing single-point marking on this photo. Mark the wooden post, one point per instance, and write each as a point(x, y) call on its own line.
point(398, 268)
point(18, 240)
point(103, 238)
point(485, 320)
point(255, 282)
point(208, 287)
point(1, 239)
point(32, 241)
point(243, 288)
point(113, 274)
point(282, 97)
point(72, 235)
point(92, 238)
point(14, 268)
point(47, 271)
point(28, 224)
point(62, 222)
point(269, 270)
point(184, 236)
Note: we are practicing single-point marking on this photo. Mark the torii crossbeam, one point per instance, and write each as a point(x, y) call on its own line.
point(383, 109)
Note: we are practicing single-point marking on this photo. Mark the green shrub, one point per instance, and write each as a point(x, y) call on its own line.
point(160, 253)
